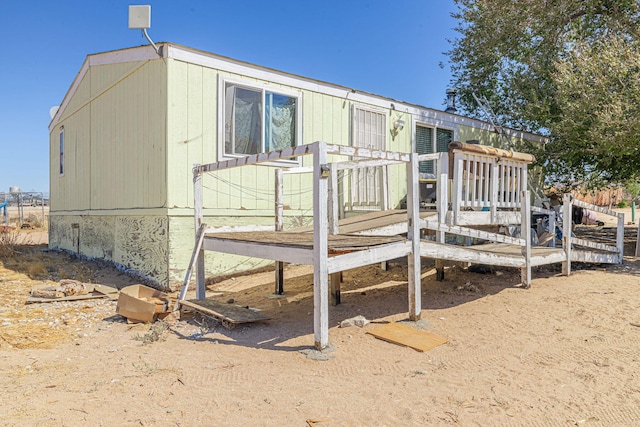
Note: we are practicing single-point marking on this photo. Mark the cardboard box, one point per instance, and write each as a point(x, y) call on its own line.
point(139, 302)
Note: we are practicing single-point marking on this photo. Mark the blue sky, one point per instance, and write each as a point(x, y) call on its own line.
point(387, 48)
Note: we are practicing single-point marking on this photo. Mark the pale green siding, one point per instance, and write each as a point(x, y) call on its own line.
point(71, 191)
point(115, 147)
point(128, 140)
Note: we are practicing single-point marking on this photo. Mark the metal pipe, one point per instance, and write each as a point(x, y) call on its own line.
point(144, 32)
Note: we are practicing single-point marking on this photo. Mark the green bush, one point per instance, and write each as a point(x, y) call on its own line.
point(622, 204)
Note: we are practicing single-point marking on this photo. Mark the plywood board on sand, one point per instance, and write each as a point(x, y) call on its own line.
point(226, 312)
point(407, 336)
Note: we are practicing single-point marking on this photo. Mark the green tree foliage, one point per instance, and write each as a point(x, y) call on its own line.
point(567, 69)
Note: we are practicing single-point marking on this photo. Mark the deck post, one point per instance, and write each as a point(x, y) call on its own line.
point(638, 241)
point(525, 231)
point(279, 213)
point(333, 199)
point(566, 233)
point(458, 170)
point(333, 204)
point(495, 198)
point(320, 247)
point(442, 199)
point(620, 237)
point(413, 234)
point(552, 229)
point(201, 290)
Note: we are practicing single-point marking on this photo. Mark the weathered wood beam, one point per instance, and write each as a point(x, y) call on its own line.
point(594, 245)
point(595, 208)
point(478, 234)
point(259, 250)
point(413, 234)
point(463, 254)
point(320, 248)
point(484, 217)
point(368, 256)
point(355, 164)
point(566, 233)
point(442, 201)
point(620, 237)
point(593, 257)
point(300, 150)
point(344, 150)
point(279, 214)
point(199, 220)
point(525, 229)
point(638, 241)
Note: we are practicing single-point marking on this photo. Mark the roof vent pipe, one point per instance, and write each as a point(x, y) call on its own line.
point(451, 100)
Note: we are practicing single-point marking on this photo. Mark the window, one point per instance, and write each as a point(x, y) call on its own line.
point(368, 185)
point(425, 144)
point(61, 151)
point(258, 120)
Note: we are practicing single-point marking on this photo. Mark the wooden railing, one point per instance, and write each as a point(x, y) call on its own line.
point(607, 253)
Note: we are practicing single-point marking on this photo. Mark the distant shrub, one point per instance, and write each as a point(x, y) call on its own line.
point(9, 242)
point(622, 204)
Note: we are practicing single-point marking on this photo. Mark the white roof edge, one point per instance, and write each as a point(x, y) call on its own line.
point(212, 60)
point(140, 53)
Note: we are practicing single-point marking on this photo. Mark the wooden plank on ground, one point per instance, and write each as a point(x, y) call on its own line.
point(227, 312)
point(407, 336)
point(93, 292)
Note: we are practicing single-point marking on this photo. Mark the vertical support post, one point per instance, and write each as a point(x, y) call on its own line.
point(525, 228)
point(566, 233)
point(495, 198)
point(638, 241)
point(458, 164)
point(201, 290)
point(334, 228)
point(552, 228)
point(413, 234)
point(442, 198)
point(620, 237)
point(279, 213)
point(340, 195)
point(524, 180)
point(333, 200)
point(320, 249)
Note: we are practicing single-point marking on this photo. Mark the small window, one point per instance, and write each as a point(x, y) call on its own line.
point(425, 144)
point(443, 138)
point(61, 151)
point(258, 121)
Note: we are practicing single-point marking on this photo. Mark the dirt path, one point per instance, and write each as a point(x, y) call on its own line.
point(563, 353)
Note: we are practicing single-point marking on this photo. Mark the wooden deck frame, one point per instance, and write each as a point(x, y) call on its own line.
point(507, 251)
point(318, 254)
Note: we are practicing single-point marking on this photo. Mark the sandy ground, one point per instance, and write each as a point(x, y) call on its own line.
point(565, 352)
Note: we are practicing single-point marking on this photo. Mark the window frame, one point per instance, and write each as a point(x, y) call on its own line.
point(262, 88)
point(384, 173)
point(61, 151)
point(434, 140)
